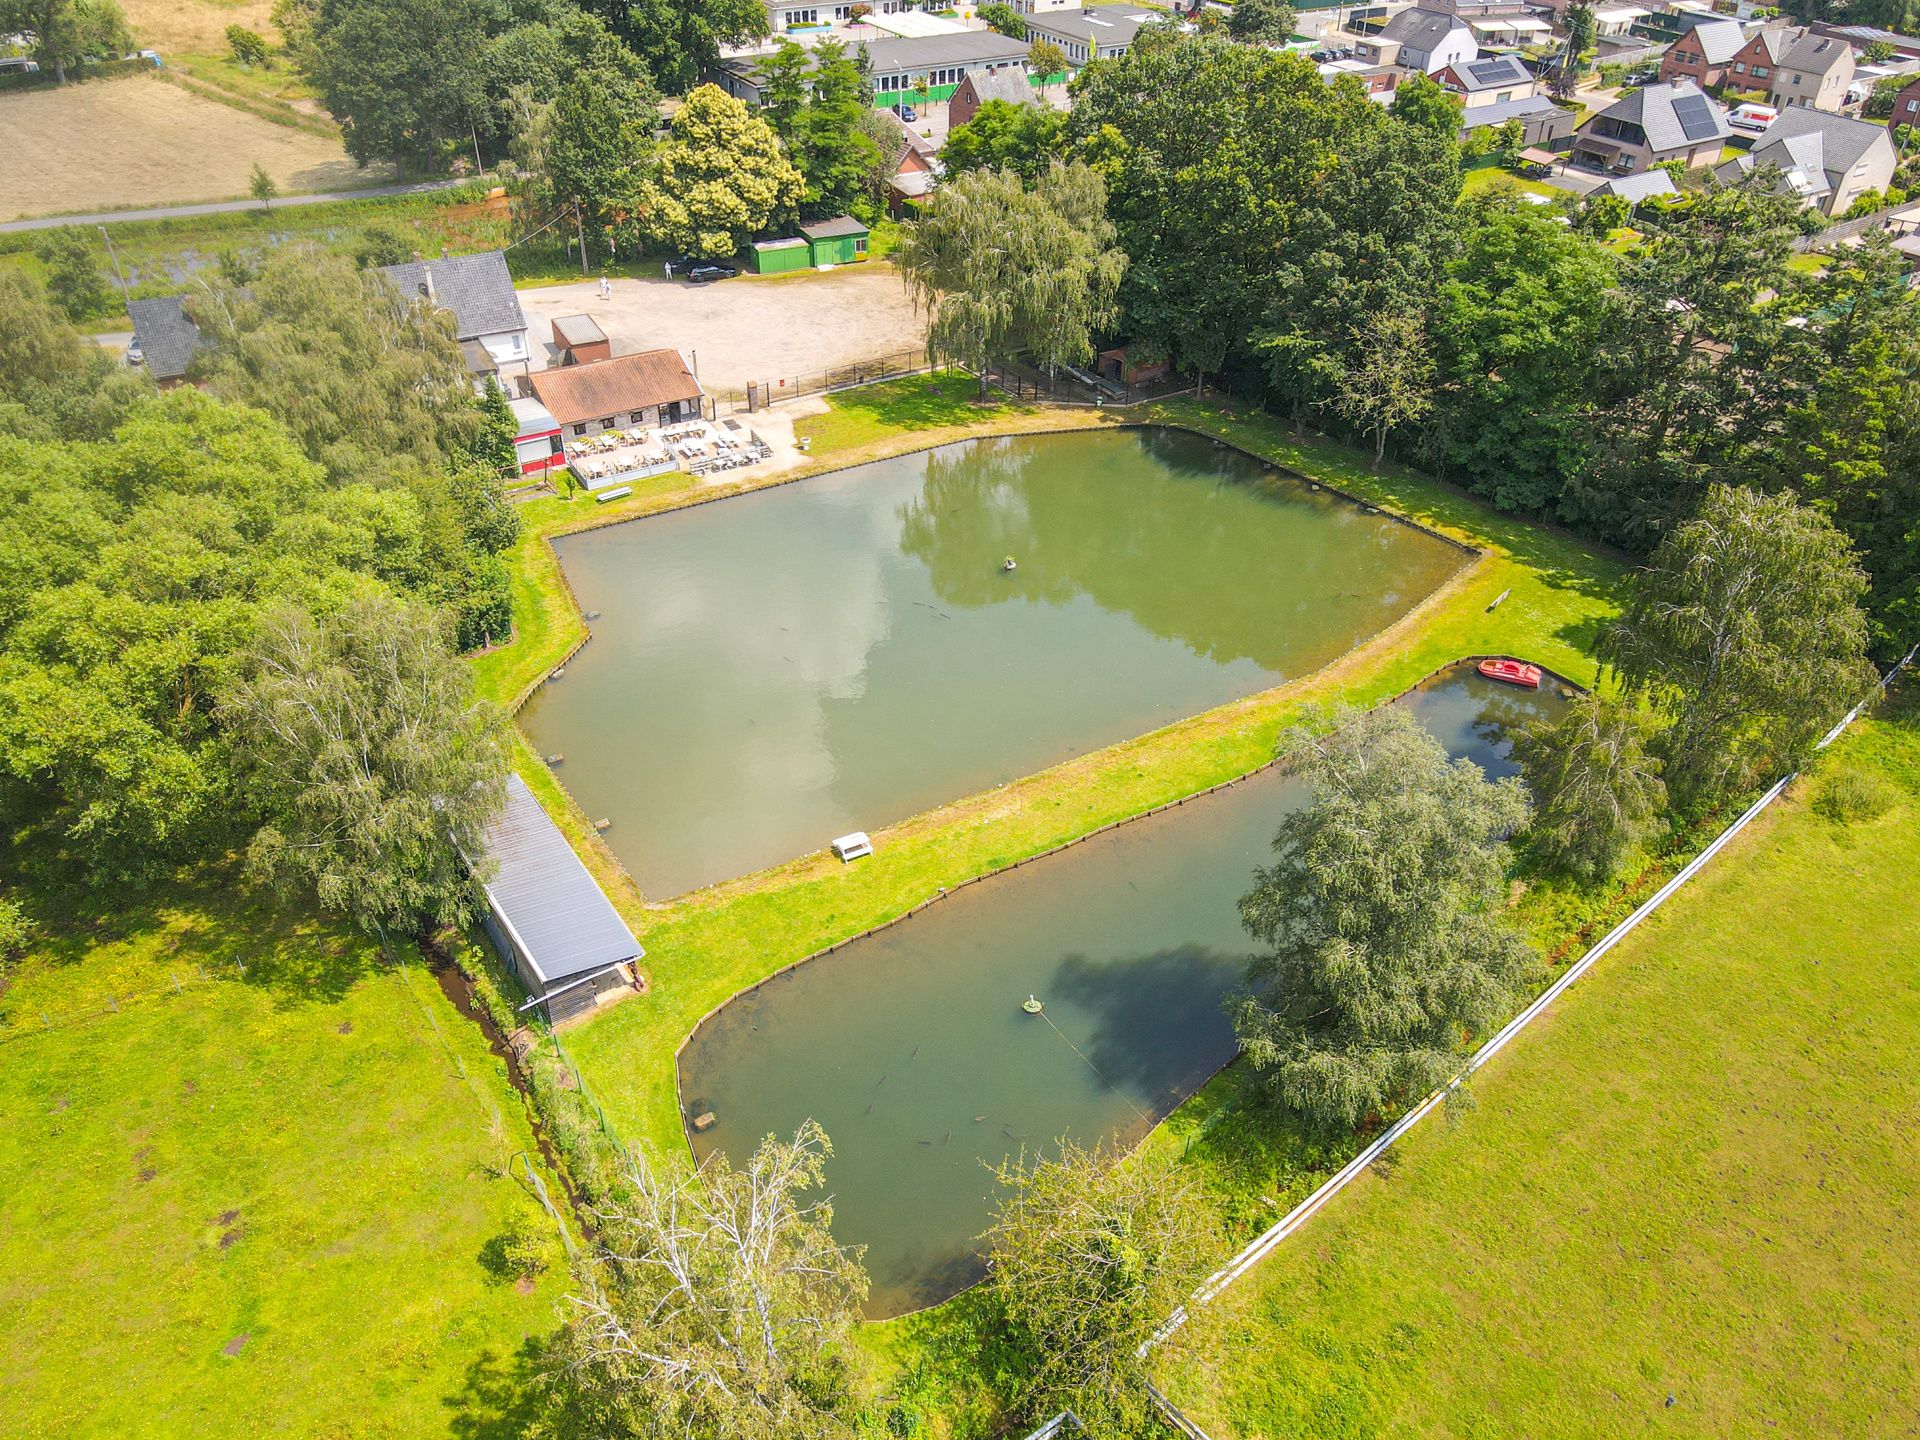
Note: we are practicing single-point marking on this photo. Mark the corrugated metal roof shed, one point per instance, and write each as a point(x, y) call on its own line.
point(168, 339)
point(563, 921)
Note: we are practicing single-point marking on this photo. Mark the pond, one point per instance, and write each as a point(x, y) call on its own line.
point(837, 654)
point(911, 1048)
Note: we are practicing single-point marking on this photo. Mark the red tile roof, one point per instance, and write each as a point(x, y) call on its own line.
point(612, 387)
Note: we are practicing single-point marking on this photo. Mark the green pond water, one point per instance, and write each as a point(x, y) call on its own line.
point(911, 1048)
point(772, 671)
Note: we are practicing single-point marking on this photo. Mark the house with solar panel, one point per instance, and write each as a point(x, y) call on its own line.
point(549, 920)
point(1488, 82)
point(1670, 121)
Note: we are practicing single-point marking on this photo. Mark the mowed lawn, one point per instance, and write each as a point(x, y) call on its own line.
point(1697, 1177)
point(260, 1206)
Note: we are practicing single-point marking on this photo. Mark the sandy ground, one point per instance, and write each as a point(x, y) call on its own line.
point(196, 27)
point(140, 141)
point(744, 329)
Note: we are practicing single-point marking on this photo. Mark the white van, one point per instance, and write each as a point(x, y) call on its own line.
point(1754, 117)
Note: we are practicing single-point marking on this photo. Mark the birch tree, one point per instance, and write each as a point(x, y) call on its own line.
point(1595, 783)
point(1747, 630)
point(1087, 1255)
point(721, 1308)
point(1003, 269)
point(1384, 918)
point(359, 737)
point(1388, 382)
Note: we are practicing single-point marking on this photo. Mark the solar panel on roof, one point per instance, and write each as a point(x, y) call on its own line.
point(1489, 71)
point(1695, 114)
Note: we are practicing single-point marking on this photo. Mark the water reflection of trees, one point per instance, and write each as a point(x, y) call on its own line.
point(1255, 567)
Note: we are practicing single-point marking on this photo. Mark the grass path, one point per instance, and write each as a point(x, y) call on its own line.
point(289, 1167)
point(708, 946)
point(1695, 1177)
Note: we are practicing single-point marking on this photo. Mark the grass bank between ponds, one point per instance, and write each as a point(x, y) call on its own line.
point(706, 946)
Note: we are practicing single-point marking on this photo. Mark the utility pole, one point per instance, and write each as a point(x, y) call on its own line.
point(115, 258)
point(580, 233)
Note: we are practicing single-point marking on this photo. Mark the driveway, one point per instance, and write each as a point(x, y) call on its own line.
point(769, 328)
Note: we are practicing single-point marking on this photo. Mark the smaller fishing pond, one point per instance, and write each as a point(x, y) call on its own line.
point(911, 1049)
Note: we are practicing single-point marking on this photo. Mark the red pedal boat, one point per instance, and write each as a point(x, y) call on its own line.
point(1512, 672)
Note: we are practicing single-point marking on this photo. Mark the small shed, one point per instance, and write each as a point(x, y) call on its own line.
point(550, 921)
point(777, 257)
point(580, 340)
point(839, 241)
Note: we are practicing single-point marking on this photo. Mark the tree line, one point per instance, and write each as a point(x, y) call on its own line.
point(230, 617)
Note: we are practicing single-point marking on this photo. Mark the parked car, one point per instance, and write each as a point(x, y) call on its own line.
point(707, 274)
point(134, 355)
point(702, 270)
point(909, 114)
point(1753, 117)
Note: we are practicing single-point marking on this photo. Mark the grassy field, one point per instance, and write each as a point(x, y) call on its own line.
point(1489, 175)
point(195, 26)
point(1694, 1178)
point(137, 140)
point(260, 1204)
point(706, 947)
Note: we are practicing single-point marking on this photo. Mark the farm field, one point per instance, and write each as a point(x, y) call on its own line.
point(137, 140)
point(259, 1205)
point(1693, 1179)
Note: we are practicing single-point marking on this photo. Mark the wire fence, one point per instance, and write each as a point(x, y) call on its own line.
point(1270, 1240)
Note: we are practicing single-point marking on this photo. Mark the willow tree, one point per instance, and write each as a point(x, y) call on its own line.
point(1747, 630)
point(1596, 785)
point(1384, 918)
point(1003, 268)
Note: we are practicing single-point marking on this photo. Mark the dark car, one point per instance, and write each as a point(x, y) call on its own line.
point(704, 272)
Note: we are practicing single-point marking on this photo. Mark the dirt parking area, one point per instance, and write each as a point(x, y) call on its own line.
point(750, 328)
point(137, 140)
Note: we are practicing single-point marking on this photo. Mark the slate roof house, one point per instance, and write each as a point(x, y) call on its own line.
point(551, 923)
point(654, 387)
point(1814, 72)
point(1827, 160)
point(1488, 82)
point(1661, 122)
point(1752, 66)
point(475, 290)
point(1703, 54)
point(1424, 40)
point(1010, 85)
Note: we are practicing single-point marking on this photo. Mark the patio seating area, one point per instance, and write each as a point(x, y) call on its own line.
point(615, 456)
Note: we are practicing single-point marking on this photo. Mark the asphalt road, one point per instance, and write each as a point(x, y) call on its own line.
point(221, 207)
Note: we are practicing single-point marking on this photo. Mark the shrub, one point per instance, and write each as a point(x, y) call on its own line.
point(249, 47)
point(1851, 797)
point(16, 932)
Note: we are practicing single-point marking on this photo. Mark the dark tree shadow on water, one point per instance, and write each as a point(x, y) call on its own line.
point(502, 1394)
point(1160, 1027)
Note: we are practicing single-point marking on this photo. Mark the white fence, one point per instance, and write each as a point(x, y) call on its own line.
point(1254, 1253)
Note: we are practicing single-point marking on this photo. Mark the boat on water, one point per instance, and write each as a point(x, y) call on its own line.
point(1513, 672)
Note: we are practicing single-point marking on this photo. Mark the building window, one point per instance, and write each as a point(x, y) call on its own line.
point(1760, 72)
point(859, 244)
point(1739, 67)
point(579, 429)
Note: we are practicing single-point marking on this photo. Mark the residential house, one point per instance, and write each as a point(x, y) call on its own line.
point(1420, 39)
point(1508, 31)
point(1542, 123)
point(1611, 22)
point(1814, 72)
point(537, 443)
point(1825, 159)
point(551, 923)
point(1096, 32)
point(1661, 122)
point(654, 387)
point(1861, 36)
point(1703, 54)
point(1381, 82)
point(1906, 106)
point(169, 342)
point(915, 173)
point(475, 291)
point(1009, 84)
point(1753, 64)
point(1488, 82)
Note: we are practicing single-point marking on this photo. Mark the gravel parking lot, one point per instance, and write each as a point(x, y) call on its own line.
point(748, 328)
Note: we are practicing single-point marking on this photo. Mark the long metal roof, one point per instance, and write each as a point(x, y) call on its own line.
point(542, 893)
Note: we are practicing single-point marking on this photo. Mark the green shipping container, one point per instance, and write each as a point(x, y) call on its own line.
point(840, 241)
point(776, 257)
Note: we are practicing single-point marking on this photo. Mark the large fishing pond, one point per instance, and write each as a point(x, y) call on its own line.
point(774, 670)
point(911, 1047)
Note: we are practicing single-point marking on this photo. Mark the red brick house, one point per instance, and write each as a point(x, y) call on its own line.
point(980, 86)
point(1906, 106)
point(1703, 54)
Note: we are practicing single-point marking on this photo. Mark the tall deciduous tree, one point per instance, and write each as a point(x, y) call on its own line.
point(599, 146)
point(1261, 22)
point(722, 177)
point(1003, 136)
point(65, 32)
point(1004, 19)
point(1388, 380)
point(680, 40)
point(1426, 105)
point(375, 767)
point(1004, 269)
point(1596, 785)
point(1045, 60)
point(785, 79)
point(1087, 1255)
point(720, 1307)
point(836, 153)
point(1384, 917)
point(1746, 630)
point(406, 79)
